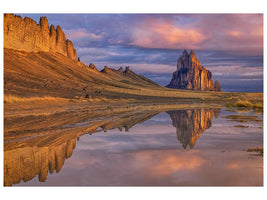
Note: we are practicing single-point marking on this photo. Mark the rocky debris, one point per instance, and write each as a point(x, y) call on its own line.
point(191, 75)
point(26, 35)
point(217, 86)
point(120, 70)
point(127, 70)
point(110, 70)
point(92, 66)
point(105, 70)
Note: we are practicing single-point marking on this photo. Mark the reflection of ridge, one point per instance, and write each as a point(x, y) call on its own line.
point(25, 163)
point(191, 123)
point(24, 158)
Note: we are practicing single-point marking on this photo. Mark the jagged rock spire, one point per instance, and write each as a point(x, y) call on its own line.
point(185, 52)
point(191, 75)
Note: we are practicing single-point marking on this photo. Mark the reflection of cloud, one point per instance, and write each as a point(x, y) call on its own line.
point(173, 163)
point(161, 167)
point(233, 166)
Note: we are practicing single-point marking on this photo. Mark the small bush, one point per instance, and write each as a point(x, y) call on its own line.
point(243, 104)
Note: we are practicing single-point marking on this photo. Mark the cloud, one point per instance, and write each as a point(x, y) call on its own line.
point(237, 70)
point(240, 34)
point(82, 33)
point(166, 35)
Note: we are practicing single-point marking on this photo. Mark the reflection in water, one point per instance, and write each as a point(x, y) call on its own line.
point(191, 123)
point(24, 158)
point(25, 163)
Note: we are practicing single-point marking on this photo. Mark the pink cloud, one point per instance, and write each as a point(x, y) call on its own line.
point(166, 35)
point(240, 33)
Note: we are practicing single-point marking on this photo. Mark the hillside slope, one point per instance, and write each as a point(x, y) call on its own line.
point(52, 74)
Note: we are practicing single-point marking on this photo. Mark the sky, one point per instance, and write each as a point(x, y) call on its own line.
point(229, 45)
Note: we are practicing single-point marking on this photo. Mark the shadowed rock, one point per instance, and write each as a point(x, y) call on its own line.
point(217, 86)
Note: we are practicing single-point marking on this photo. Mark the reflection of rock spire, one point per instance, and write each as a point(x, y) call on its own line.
point(191, 123)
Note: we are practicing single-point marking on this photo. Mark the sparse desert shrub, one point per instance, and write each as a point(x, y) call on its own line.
point(110, 107)
point(258, 106)
point(229, 105)
point(104, 99)
point(243, 104)
point(72, 100)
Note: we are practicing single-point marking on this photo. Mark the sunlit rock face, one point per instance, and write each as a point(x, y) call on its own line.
point(191, 123)
point(191, 75)
point(26, 35)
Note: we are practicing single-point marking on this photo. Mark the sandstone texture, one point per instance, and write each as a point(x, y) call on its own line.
point(26, 35)
point(191, 75)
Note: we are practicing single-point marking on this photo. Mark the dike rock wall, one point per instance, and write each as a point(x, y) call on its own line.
point(26, 35)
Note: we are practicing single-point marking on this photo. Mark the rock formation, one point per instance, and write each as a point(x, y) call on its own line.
point(191, 123)
point(26, 35)
point(92, 66)
point(191, 75)
point(217, 86)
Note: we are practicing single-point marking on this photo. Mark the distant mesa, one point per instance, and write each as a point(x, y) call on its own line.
point(26, 35)
point(191, 75)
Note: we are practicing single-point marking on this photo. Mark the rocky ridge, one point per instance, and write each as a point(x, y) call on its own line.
point(191, 75)
point(26, 35)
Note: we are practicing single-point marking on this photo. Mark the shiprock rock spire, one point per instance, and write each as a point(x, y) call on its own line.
point(26, 35)
point(191, 75)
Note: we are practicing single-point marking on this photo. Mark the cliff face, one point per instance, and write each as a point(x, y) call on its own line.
point(191, 123)
point(26, 35)
point(191, 75)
